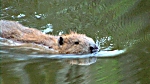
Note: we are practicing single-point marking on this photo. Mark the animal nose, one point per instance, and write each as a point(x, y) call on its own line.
point(93, 48)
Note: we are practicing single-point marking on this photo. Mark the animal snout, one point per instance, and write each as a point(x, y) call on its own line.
point(93, 48)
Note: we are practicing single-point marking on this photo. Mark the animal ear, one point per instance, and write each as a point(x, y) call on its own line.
point(72, 32)
point(61, 41)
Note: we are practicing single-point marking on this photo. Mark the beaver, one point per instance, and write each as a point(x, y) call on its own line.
point(72, 43)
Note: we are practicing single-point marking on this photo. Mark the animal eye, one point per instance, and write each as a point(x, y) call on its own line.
point(77, 42)
point(61, 41)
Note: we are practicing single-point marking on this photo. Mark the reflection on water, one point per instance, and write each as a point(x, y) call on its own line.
point(82, 61)
point(121, 28)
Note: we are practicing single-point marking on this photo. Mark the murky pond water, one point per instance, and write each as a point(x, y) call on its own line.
point(120, 27)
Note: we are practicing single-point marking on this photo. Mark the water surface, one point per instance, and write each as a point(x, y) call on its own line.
point(114, 25)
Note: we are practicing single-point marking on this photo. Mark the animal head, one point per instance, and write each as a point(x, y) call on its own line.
point(76, 44)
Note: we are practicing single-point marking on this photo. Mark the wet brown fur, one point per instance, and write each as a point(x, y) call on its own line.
point(17, 32)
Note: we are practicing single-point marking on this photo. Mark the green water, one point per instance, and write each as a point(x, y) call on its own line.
point(114, 24)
